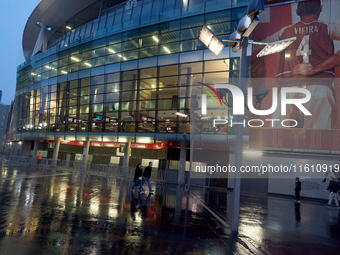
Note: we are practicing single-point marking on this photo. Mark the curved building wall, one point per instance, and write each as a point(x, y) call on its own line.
point(132, 81)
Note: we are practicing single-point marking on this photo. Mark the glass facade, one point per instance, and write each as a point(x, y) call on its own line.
point(133, 81)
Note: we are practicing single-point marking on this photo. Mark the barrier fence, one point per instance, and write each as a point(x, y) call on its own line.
point(103, 171)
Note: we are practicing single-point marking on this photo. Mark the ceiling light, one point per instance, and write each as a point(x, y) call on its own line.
point(68, 27)
point(112, 51)
point(155, 38)
point(166, 49)
point(181, 114)
point(64, 72)
point(88, 64)
point(75, 59)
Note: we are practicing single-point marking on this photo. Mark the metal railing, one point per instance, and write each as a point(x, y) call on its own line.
point(89, 169)
point(105, 171)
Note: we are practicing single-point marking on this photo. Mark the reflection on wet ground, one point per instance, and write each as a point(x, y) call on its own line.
point(71, 214)
point(60, 213)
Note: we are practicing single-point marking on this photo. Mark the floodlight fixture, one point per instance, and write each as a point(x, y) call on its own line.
point(254, 8)
point(233, 39)
point(274, 47)
point(243, 24)
point(251, 27)
point(209, 39)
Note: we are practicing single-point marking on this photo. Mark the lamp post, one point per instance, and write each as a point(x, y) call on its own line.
point(238, 40)
point(192, 137)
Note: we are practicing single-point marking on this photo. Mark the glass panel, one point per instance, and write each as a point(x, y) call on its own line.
point(130, 55)
point(113, 77)
point(148, 52)
point(170, 26)
point(97, 80)
point(129, 85)
point(129, 95)
point(129, 75)
point(98, 52)
point(148, 84)
point(147, 105)
point(112, 88)
point(196, 21)
point(148, 73)
point(168, 93)
point(169, 37)
point(192, 68)
point(188, 80)
point(168, 70)
point(170, 48)
point(147, 94)
point(168, 82)
point(216, 65)
point(112, 97)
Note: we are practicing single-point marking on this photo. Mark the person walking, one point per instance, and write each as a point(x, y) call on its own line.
point(147, 175)
point(297, 189)
point(333, 189)
point(39, 157)
point(136, 180)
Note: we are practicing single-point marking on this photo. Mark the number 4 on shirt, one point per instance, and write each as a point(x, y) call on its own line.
point(304, 50)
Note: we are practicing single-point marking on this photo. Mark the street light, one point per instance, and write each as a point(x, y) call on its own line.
point(239, 41)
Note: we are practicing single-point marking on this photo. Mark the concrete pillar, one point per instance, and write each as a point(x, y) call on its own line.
point(56, 150)
point(85, 154)
point(35, 150)
point(127, 153)
point(182, 160)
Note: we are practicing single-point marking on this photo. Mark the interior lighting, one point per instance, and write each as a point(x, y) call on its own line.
point(75, 59)
point(68, 27)
point(88, 64)
point(248, 152)
point(182, 114)
point(210, 40)
point(112, 51)
point(275, 47)
point(64, 72)
point(155, 38)
point(166, 49)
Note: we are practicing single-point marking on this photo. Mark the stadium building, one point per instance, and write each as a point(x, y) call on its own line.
point(114, 81)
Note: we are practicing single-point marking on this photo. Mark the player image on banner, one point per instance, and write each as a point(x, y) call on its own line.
point(310, 62)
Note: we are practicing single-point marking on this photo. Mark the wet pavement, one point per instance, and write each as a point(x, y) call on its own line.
point(60, 213)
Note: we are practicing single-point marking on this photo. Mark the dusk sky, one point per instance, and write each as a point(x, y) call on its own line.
point(12, 23)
